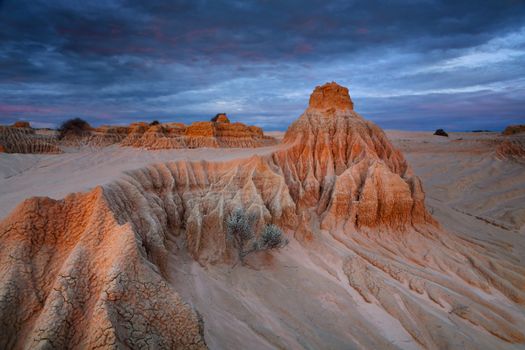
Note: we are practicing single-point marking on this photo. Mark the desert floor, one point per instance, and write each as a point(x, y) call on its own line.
point(468, 190)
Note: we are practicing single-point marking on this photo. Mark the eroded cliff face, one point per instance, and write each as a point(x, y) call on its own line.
point(90, 270)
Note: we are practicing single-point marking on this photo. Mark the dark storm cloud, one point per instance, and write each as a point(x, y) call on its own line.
point(408, 64)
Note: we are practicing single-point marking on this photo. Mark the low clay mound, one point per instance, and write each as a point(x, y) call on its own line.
point(155, 137)
point(514, 129)
point(91, 270)
point(25, 140)
point(107, 135)
point(512, 147)
point(136, 130)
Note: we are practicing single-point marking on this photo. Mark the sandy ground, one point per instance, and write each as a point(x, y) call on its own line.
point(295, 298)
point(463, 173)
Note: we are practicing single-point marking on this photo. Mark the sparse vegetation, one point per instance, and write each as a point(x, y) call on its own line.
point(441, 132)
point(155, 122)
point(240, 230)
point(76, 126)
point(271, 237)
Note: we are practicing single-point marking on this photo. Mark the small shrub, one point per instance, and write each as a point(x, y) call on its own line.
point(239, 227)
point(441, 132)
point(76, 126)
point(155, 122)
point(271, 237)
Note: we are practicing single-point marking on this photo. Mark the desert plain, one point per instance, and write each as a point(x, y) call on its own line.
point(393, 240)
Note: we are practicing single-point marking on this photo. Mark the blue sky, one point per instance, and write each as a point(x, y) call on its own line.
point(414, 65)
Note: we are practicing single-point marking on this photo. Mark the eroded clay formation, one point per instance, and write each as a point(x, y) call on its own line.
point(21, 138)
point(220, 133)
point(90, 270)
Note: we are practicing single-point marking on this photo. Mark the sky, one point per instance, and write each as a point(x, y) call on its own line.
point(412, 65)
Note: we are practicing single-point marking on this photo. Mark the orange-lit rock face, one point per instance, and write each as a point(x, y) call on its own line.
point(72, 277)
point(331, 95)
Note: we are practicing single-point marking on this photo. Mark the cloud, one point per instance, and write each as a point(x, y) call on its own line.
point(115, 61)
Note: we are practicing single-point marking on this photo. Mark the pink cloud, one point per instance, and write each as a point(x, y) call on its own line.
point(200, 33)
point(7, 108)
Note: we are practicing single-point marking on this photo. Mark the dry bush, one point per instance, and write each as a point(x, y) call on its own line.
point(76, 127)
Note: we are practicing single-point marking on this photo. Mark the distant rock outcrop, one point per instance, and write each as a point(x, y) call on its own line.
point(441, 132)
point(77, 133)
point(219, 133)
point(514, 129)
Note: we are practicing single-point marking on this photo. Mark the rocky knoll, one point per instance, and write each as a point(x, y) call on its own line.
point(91, 271)
point(346, 169)
point(21, 138)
